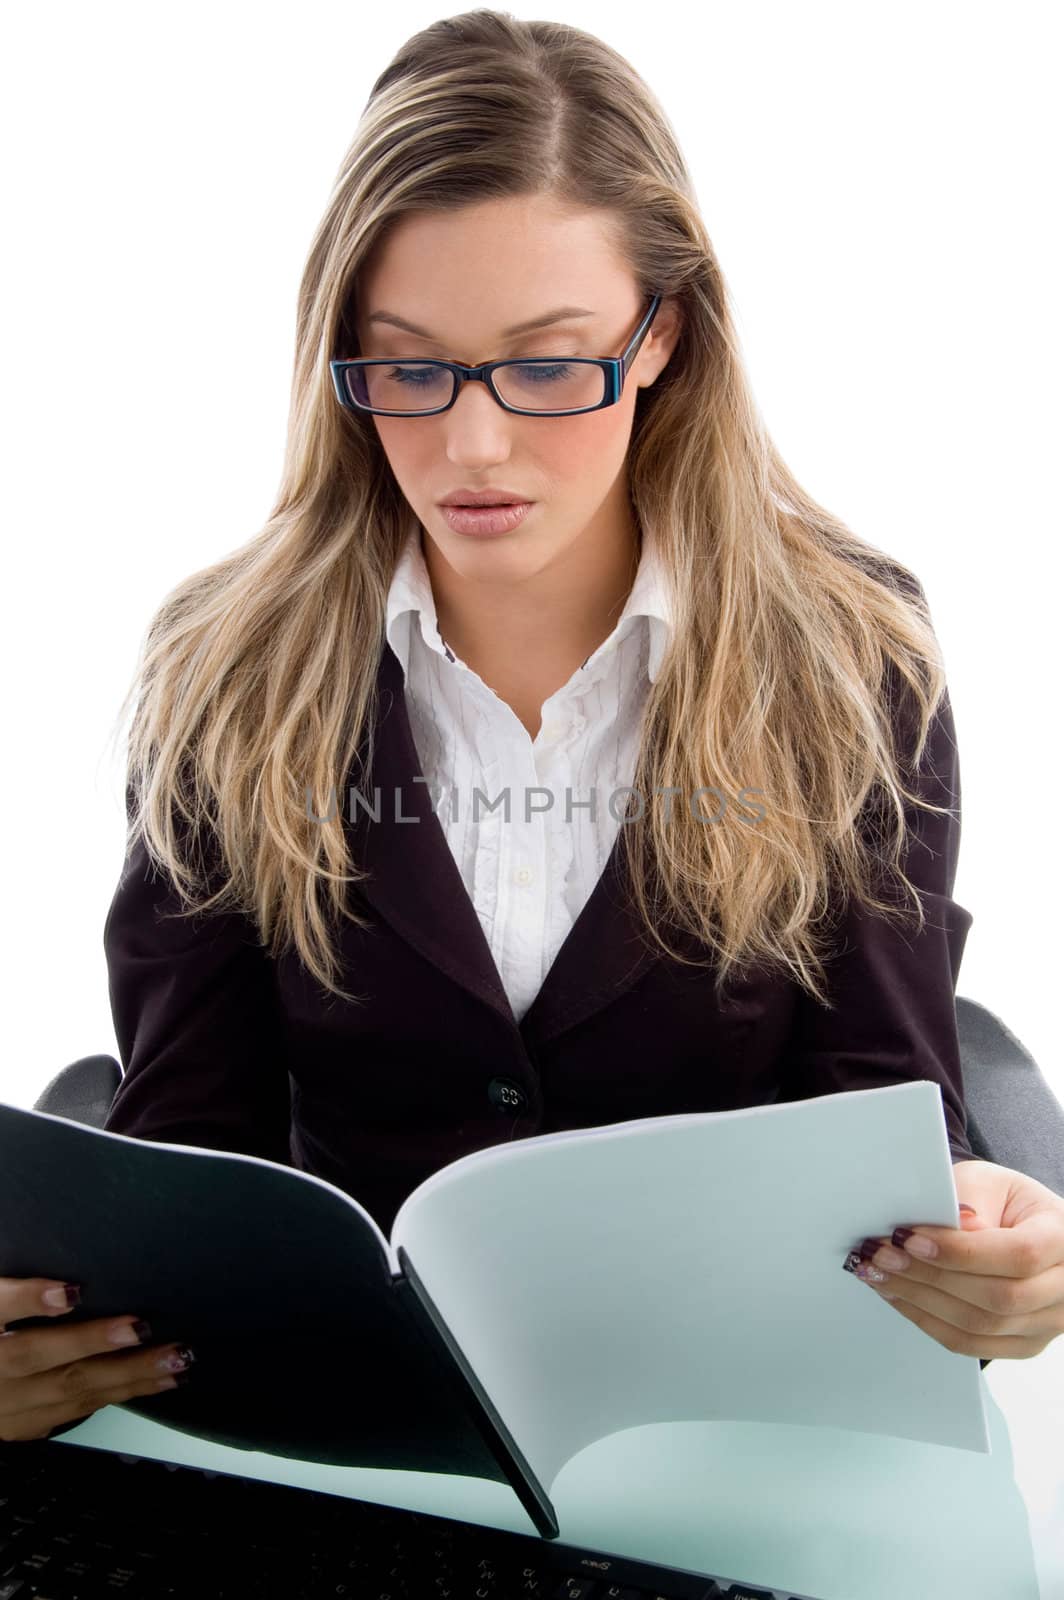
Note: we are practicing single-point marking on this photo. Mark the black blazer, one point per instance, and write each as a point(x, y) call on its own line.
point(223, 1047)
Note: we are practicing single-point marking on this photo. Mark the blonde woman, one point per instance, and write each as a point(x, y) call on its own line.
point(712, 859)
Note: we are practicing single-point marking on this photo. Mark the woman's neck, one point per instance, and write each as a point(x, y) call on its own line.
point(525, 640)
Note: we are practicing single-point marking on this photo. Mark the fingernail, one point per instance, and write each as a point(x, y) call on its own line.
point(174, 1380)
point(176, 1360)
point(918, 1245)
point(64, 1297)
point(970, 1209)
point(129, 1333)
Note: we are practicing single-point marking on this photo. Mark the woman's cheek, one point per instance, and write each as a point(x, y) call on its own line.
point(591, 446)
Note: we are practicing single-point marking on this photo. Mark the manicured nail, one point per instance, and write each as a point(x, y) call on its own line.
point(64, 1297)
point(863, 1269)
point(918, 1245)
point(175, 1380)
point(129, 1333)
point(892, 1260)
point(176, 1360)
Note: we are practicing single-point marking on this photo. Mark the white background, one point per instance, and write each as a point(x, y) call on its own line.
point(881, 185)
point(878, 185)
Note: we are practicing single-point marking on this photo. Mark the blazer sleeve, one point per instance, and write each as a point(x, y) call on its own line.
point(196, 1016)
point(894, 988)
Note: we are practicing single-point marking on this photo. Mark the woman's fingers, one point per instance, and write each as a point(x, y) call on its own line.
point(25, 1297)
point(51, 1376)
point(39, 1422)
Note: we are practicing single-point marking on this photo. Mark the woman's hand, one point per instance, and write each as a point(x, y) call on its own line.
point(52, 1376)
point(995, 1286)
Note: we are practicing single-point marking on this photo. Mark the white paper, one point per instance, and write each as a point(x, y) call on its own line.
point(689, 1268)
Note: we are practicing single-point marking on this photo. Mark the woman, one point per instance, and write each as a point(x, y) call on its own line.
point(670, 616)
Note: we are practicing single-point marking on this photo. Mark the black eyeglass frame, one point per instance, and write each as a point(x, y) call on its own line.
point(616, 369)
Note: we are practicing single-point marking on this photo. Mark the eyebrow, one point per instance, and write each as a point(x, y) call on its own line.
point(563, 314)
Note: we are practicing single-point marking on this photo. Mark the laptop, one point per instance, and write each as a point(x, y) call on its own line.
point(78, 1522)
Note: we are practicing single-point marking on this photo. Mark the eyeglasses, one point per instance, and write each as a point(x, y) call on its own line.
point(537, 386)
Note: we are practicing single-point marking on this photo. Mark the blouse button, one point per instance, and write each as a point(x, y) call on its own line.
point(505, 1095)
point(523, 875)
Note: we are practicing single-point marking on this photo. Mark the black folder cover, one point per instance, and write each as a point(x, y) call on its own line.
point(307, 1344)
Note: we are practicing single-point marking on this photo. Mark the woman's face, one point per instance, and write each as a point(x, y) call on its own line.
point(465, 277)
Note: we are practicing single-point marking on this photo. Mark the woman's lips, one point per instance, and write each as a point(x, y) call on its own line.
point(486, 519)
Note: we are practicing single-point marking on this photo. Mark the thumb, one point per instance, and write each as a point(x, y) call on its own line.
point(971, 1221)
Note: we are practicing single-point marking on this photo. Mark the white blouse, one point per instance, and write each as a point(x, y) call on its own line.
point(529, 877)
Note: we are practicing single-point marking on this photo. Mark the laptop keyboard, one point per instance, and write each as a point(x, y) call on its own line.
point(78, 1523)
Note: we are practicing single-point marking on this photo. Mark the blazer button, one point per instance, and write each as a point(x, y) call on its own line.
point(505, 1095)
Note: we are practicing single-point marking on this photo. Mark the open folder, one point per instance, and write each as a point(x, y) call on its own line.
point(534, 1297)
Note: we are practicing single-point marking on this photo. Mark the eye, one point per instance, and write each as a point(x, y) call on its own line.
point(540, 373)
point(416, 377)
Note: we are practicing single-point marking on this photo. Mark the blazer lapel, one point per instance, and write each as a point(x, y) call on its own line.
point(417, 887)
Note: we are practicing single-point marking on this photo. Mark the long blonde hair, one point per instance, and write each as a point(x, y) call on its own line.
point(792, 638)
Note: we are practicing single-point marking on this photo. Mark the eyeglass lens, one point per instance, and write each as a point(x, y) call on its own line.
point(531, 385)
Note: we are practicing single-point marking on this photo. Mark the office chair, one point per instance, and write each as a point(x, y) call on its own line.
point(1014, 1119)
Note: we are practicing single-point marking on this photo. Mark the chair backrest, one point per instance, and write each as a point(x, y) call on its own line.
point(1014, 1118)
point(83, 1091)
